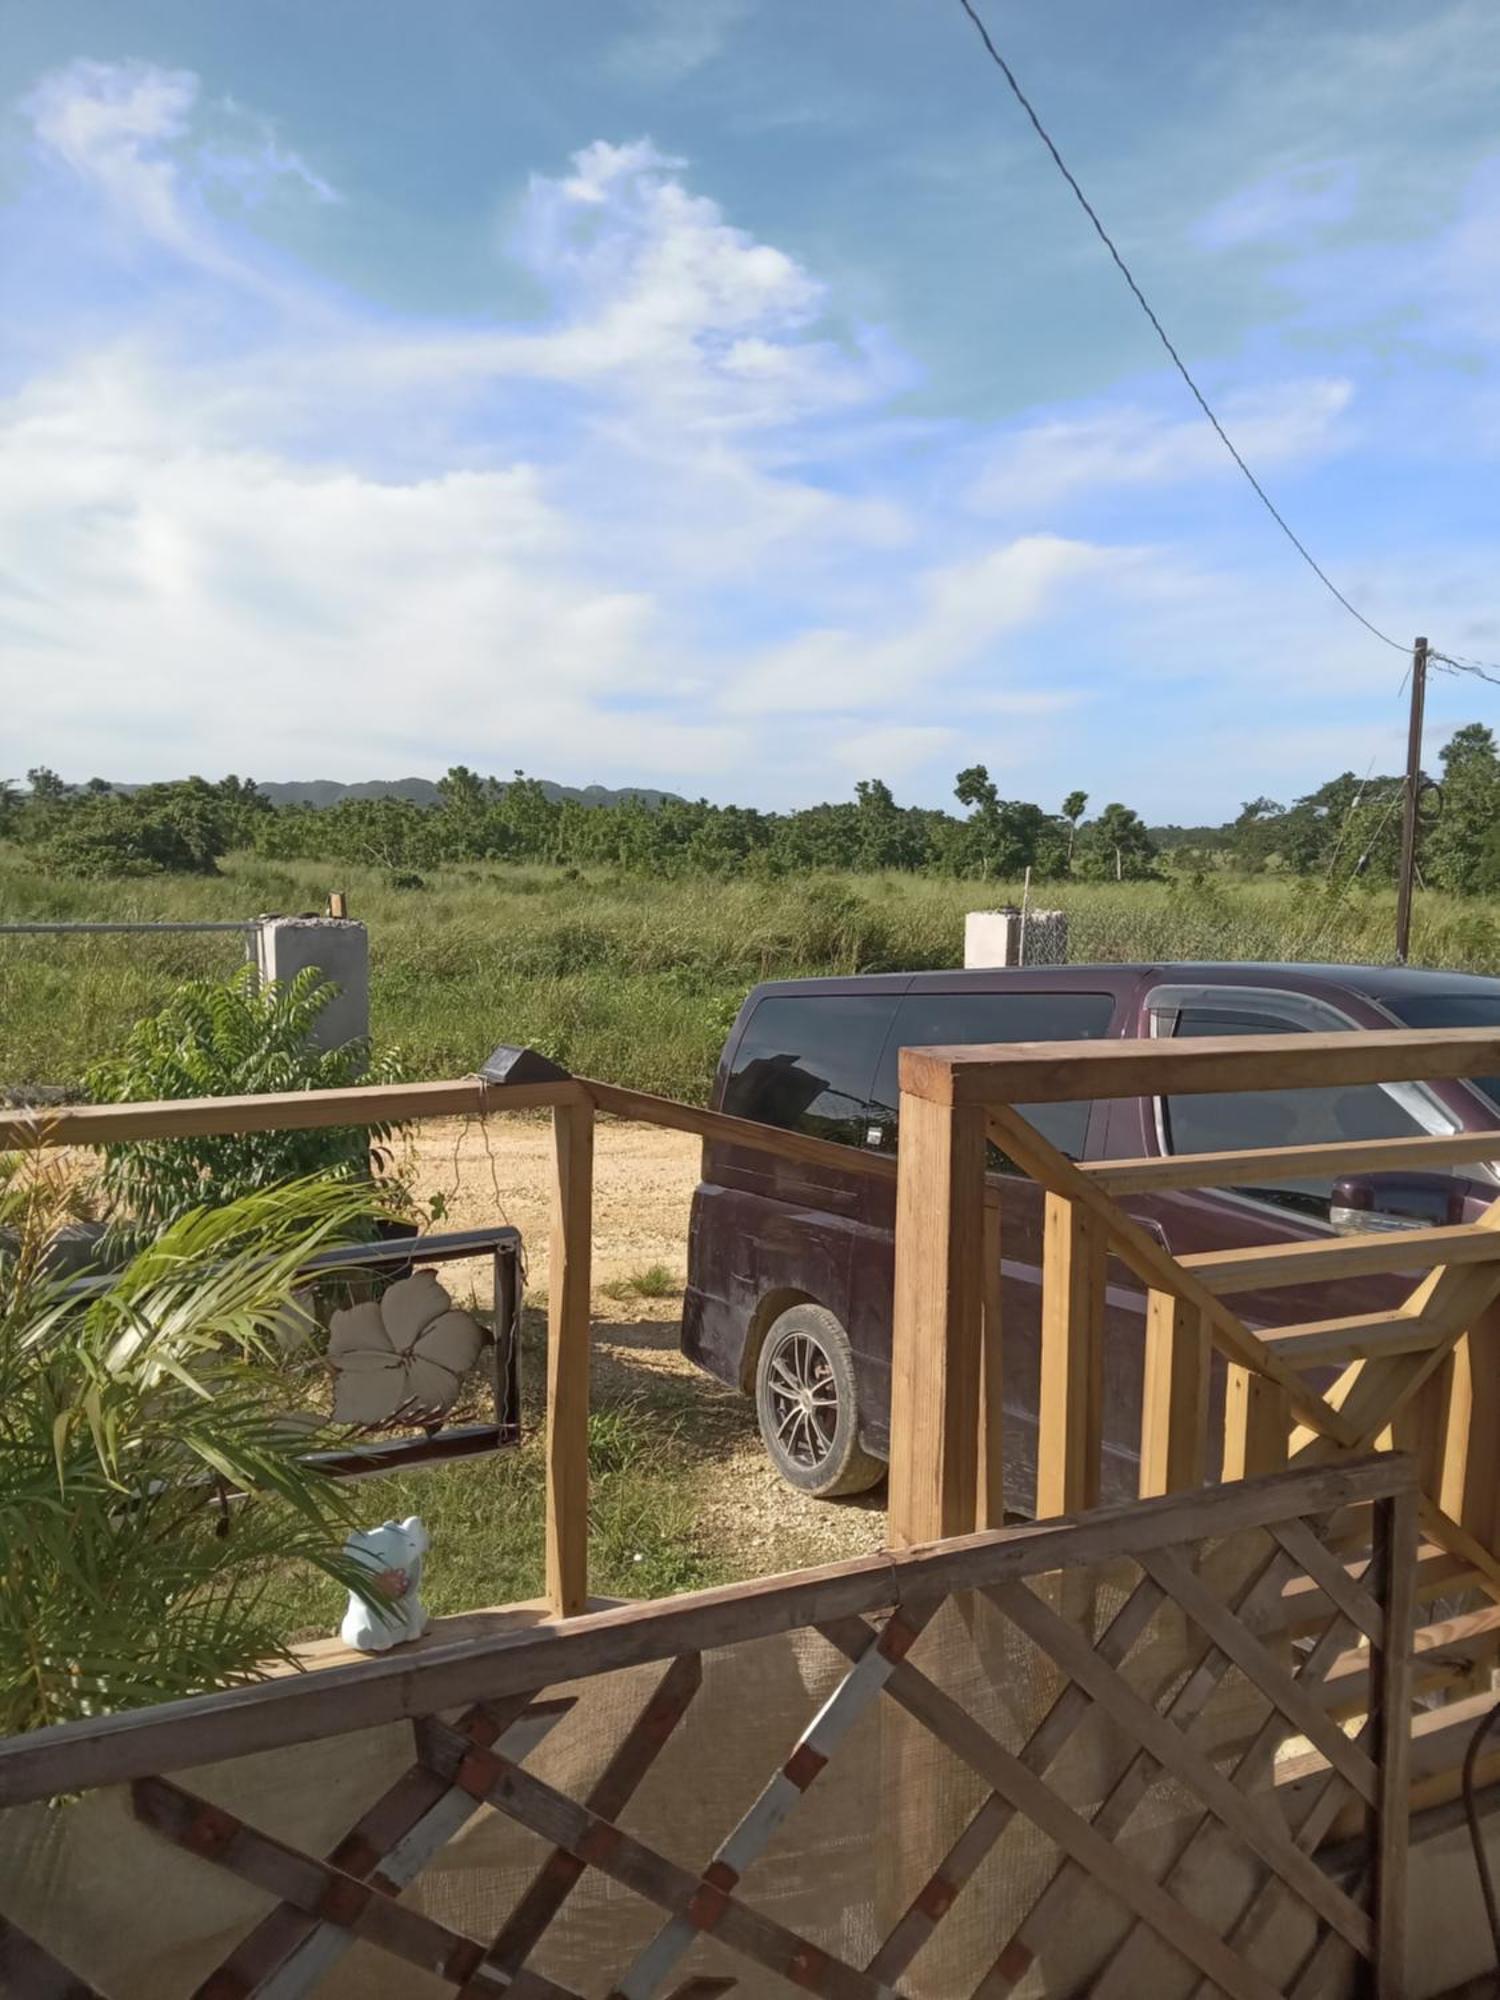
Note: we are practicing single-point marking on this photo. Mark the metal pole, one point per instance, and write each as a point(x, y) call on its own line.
point(1409, 807)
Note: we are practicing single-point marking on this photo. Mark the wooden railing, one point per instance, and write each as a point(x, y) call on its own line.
point(835, 1714)
point(1405, 1370)
point(1419, 1376)
point(573, 1103)
point(1407, 1374)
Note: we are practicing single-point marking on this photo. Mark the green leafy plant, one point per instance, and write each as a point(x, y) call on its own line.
point(655, 1282)
point(128, 1418)
point(232, 1039)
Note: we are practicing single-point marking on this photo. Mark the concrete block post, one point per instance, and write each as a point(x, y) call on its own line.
point(1004, 937)
point(340, 949)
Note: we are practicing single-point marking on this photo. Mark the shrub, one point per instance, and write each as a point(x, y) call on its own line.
point(164, 829)
point(231, 1039)
point(125, 1419)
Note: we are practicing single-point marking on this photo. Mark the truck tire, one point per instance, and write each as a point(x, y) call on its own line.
point(808, 1408)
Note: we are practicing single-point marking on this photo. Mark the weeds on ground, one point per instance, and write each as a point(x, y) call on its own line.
point(655, 1282)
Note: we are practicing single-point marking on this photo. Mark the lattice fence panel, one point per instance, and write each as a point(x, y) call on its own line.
point(1016, 1781)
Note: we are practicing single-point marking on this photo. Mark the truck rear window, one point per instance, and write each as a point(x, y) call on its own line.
point(1453, 1010)
point(934, 1020)
point(806, 1062)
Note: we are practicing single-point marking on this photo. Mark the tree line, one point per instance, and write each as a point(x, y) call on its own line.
point(1348, 828)
point(96, 829)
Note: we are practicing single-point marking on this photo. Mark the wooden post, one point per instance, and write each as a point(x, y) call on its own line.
point(1393, 1566)
point(568, 1340)
point(1257, 1425)
point(990, 1506)
point(1070, 1414)
point(1174, 1400)
point(1470, 1466)
point(937, 1329)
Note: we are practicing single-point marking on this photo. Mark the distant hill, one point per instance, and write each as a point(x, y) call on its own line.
point(1168, 837)
point(322, 792)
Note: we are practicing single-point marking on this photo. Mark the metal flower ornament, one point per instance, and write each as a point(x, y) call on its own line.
point(404, 1354)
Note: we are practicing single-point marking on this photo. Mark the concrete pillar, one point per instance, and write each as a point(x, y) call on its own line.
point(340, 949)
point(1001, 937)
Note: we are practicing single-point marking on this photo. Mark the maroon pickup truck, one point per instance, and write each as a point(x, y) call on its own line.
point(790, 1266)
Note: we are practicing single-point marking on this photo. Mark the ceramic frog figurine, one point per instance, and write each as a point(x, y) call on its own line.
point(394, 1552)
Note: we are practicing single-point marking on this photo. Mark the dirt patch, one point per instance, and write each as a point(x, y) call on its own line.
point(751, 1520)
point(489, 1170)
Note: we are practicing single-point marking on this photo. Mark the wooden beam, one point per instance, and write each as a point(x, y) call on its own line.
point(990, 1503)
point(1439, 1739)
point(1469, 1476)
point(1069, 1072)
point(1322, 1259)
point(1356, 1337)
point(1280, 1687)
point(1425, 1153)
point(569, 1336)
point(1155, 1265)
point(276, 1111)
point(1392, 1566)
point(26, 1969)
point(937, 1324)
point(1372, 1394)
point(1444, 1655)
point(1305, 1606)
point(641, 1108)
point(1163, 1739)
point(1327, 1259)
point(1257, 1425)
point(300, 1708)
point(1070, 1409)
point(1174, 1401)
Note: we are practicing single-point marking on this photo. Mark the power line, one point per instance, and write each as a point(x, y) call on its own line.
point(1161, 333)
point(1457, 663)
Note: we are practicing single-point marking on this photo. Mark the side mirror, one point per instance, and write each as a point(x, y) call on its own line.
point(1367, 1202)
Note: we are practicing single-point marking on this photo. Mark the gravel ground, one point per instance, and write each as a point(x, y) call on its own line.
point(643, 1186)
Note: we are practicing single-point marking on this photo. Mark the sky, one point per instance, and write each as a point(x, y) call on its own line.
point(726, 395)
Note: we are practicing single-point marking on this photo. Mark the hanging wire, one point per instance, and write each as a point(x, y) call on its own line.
point(1161, 333)
point(1456, 663)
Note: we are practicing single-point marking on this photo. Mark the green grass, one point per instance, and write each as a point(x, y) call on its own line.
point(631, 979)
point(656, 1282)
point(485, 1518)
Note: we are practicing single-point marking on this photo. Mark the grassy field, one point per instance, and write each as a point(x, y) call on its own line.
point(637, 981)
point(485, 1515)
point(621, 977)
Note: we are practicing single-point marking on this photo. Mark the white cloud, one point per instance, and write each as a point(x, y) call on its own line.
point(666, 530)
point(124, 131)
point(671, 39)
point(1042, 465)
point(1289, 205)
point(963, 610)
point(110, 124)
point(235, 599)
point(327, 527)
point(894, 749)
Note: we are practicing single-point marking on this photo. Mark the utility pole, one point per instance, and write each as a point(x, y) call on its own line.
point(1409, 804)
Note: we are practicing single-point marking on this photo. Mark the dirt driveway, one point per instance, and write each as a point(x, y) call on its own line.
point(643, 1187)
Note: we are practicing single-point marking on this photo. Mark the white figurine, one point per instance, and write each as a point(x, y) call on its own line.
point(394, 1552)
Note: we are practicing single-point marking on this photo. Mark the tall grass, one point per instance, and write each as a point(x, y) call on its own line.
point(623, 977)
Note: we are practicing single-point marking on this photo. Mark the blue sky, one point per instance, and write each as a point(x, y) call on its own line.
point(725, 394)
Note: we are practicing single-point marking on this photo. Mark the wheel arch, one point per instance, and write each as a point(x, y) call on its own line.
point(768, 1309)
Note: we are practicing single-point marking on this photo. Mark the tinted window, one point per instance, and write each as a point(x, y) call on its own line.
point(805, 1062)
point(1229, 1120)
point(932, 1019)
point(1454, 1010)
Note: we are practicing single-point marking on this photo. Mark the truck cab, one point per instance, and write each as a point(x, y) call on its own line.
point(790, 1266)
